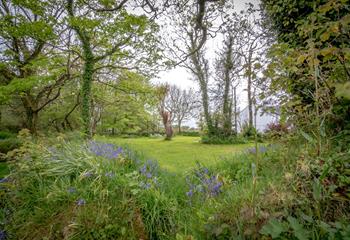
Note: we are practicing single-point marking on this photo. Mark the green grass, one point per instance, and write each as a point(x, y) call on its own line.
point(181, 153)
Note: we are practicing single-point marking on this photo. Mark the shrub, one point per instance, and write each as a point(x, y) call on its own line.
point(190, 133)
point(222, 140)
point(6, 134)
point(276, 130)
point(9, 144)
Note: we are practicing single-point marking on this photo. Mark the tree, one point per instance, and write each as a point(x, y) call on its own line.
point(165, 112)
point(181, 104)
point(227, 70)
point(309, 64)
point(187, 108)
point(125, 106)
point(32, 68)
point(110, 37)
point(253, 41)
point(194, 24)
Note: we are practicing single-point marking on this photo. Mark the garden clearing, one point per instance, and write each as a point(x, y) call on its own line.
point(181, 153)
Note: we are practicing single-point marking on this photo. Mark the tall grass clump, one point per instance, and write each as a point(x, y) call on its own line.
point(82, 191)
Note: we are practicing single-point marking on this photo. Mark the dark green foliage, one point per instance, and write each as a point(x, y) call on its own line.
point(9, 144)
point(222, 139)
point(189, 133)
point(5, 135)
point(3, 169)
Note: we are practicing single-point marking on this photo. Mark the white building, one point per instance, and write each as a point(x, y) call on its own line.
point(262, 119)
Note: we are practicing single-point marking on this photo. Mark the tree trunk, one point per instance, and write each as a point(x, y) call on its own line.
point(227, 123)
point(30, 106)
point(32, 120)
point(86, 89)
point(89, 63)
point(235, 108)
point(205, 104)
point(249, 89)
point(179, 126)
point(167, 125)
point(168, 131)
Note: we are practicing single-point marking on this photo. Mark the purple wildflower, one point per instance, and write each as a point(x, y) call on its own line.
point(3, 235)
point(72, 190)
point(81, 202)
point(204, 182)
point(4, 180)
point(88, 174)
point(148, 172)
point(109, 174)
point(189, 193)
point(106, 150)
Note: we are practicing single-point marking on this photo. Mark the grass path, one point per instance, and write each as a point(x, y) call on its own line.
point(181, 153)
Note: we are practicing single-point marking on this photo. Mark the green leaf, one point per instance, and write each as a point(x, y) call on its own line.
point(301, 59)
point(307, 137)
point(298, 229)
point(325, 36)
point(317, 190)
point(273, 228)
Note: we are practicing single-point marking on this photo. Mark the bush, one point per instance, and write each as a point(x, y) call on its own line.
point(189, 133)
point(6, 134)
point(222, 140)
point(9, 144)
point(276, 130)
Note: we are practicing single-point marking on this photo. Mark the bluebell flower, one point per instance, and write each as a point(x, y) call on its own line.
point(4, 180)
point(110, 174)
point(81, 202)
point(189, 193)
point(72, 190)
point(3, 235)
point(106, 150)
point(205, 183)
point(262, 149)
point(88, 174)
point(143, 170)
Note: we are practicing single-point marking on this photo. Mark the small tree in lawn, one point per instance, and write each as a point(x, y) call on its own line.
point(164, 112)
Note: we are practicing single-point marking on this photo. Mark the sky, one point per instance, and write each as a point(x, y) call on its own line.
point(182, 78)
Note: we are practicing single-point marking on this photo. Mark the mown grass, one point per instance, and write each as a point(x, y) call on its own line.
point(181, 153)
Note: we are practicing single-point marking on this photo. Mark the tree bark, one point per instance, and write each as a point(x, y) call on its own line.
point(249, 89)
point(166, 116)
point(227, 124)
point(89, 63)
point(179, 126)
point(235, 107)
point(32, 120)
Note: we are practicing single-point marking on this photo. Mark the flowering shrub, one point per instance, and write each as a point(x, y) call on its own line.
point(276, 130)
point(203, 183)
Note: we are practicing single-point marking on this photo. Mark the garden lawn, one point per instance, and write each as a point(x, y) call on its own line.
point(179, 154)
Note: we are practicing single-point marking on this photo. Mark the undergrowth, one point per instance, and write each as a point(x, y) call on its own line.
point(60, 189)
